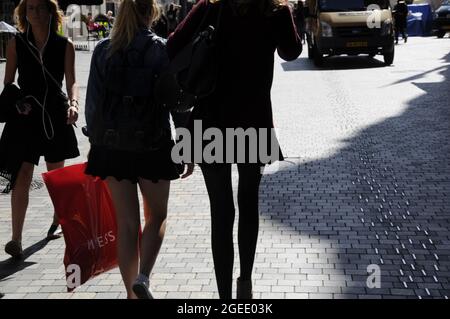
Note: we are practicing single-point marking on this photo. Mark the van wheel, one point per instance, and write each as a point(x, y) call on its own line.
point(388, 57)
point(317, 56)
point(440, 34)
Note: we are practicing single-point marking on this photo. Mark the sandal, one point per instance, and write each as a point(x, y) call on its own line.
point(51, 234)
point(14, 249)
point(141, 288)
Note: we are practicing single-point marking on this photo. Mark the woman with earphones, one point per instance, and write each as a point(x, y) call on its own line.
point(42, 59)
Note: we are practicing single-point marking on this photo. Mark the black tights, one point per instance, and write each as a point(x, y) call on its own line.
point(220, 191)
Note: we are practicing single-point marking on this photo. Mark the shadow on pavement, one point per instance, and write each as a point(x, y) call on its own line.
point(381, 200)
point(11, 266)
point(334, 63)
point(417, 77)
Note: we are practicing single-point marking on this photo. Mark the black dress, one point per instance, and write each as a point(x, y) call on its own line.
point(26, 138)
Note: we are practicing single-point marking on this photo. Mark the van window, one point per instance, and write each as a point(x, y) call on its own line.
point(350, 5)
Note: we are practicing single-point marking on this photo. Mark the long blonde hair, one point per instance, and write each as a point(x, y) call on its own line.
point(133, 15)
point(20, 14)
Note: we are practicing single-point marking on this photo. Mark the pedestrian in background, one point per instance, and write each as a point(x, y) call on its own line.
point(172, 15)
point(111, 18)
point(161, 27)
point(401, 17)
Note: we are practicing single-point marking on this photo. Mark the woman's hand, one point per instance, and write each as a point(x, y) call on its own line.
point(72, 115)
point(24, 109)
point(188, 170)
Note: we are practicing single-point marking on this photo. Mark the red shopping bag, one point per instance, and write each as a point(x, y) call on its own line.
point(86, 213)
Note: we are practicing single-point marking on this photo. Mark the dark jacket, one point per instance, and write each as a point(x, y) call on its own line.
point(246, 53)
point(401, 15)
point(242, 98)
point(156, 57)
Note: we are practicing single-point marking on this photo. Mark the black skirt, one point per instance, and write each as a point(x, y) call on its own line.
point(249, 152)
point(23, 140)
point(123, 165)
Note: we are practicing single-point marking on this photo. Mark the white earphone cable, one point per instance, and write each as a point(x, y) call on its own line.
point(41, 60)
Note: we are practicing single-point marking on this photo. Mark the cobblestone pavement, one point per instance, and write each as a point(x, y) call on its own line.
point(366, 182)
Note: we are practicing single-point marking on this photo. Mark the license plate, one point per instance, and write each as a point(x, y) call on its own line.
point(356, 44)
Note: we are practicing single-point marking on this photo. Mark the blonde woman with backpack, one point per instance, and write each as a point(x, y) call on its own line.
point(127, 64)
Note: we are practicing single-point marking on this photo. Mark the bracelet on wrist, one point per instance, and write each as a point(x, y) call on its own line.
point(74, 103)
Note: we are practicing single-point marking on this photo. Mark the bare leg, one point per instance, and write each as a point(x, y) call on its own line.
point(126, 202)
point(20, 198)
point(155, 196)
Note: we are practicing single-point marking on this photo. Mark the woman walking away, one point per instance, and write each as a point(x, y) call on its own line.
point(173, 16)
point(42, 59)
point(131, 139)
point(249, 32)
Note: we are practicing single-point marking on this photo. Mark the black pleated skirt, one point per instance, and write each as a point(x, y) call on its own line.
point(123, 165)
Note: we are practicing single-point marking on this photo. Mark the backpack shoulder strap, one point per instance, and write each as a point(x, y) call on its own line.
point(150, 42)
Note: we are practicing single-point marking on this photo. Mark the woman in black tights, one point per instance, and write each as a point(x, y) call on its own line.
point(218, 183)
point(249, 33)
